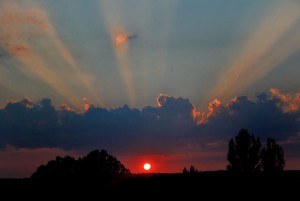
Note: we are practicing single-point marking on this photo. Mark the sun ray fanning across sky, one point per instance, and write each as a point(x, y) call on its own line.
point(120, 42)
point(92, 71)
point(19, 26)
point(161, 36)
point(134, 62)
point(121, 39)
point(67, 56)
point(261, 52)
point(5, 80)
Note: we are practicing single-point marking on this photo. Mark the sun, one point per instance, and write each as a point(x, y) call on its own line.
point(147, 166)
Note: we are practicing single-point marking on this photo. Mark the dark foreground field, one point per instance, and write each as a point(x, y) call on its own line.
point(202, 185)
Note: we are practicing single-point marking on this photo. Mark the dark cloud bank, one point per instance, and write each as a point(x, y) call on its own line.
point(171, 125)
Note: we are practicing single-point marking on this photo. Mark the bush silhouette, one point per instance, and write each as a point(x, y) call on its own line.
point(96, 165)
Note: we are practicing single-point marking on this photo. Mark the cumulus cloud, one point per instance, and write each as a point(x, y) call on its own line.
point(27, 124)
point(263, 116)
point(66, 108)
point(288, 103)
point(161, 99)
point(168, 127)
point(172, 128)
point(203, 117)
point(86, 105)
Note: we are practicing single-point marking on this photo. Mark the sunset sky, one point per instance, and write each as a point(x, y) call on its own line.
point(166, 82)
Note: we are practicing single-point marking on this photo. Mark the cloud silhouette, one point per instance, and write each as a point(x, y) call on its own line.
point(168, 127)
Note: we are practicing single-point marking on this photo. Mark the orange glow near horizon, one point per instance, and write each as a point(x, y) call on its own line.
point(174, 162)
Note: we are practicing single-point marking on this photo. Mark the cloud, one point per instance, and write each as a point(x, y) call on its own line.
point(264, 116)
point(172, 118)
point(289, 103)
point(20, 25)
point(161, 99)
point(169, 128)
point(27, 124)
point(202, 118)
point(86, 105)
point(66, 108)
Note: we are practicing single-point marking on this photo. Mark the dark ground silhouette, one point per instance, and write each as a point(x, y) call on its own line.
point(215, 184)
point(100, 176)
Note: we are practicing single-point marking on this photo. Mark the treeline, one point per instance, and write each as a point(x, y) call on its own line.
point(96, 165)
point(246, 155)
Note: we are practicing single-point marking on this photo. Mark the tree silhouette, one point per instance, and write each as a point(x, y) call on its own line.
point(96, 165)
point(273, 157)
point(59, 168)
point(244, 153)
point(185, 171)
point(192, 170)
point(101, 165)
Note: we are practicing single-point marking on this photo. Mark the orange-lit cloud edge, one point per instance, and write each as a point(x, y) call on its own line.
point(207, 158)
point(265, 60)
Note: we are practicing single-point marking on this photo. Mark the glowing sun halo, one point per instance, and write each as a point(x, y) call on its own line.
point(147, 166)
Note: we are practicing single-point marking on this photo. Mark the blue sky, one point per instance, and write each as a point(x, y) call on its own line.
point(185, 49)
point(104, 54)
